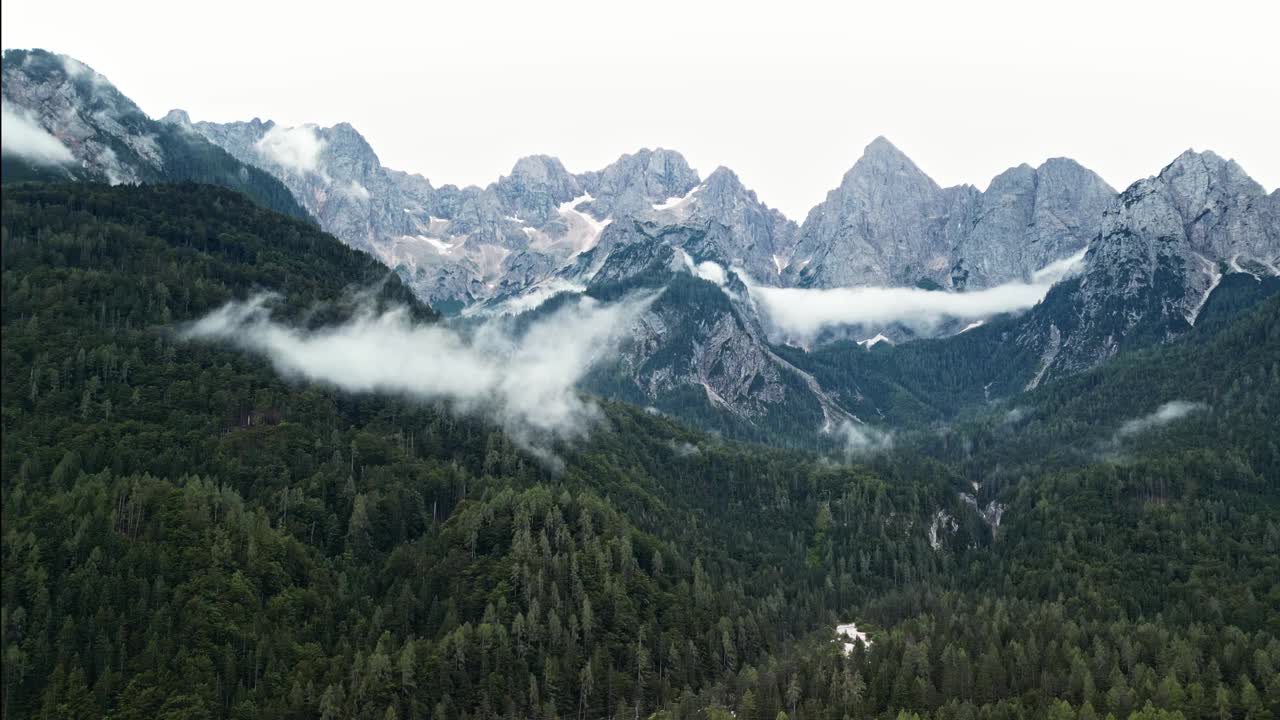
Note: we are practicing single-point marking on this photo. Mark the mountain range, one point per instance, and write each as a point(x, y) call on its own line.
point(721, 344)
point(63, 120)
point(1012, 452)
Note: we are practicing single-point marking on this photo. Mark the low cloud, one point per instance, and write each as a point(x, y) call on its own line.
point(684, 449)
point(74, 68)
point(525, 382)
point(1167, 413)
point(530, 300)
point(1015, 416)
point(21, 136)
point(356, 191)
point(707, 270)
point(862, 439)
point(296, 148)
point(803, 313)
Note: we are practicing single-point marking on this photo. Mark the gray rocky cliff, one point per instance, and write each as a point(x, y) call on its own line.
point(109, 137)
point(1028, 218)
point(889, 224)
point(64, 121)
point(1163, 246)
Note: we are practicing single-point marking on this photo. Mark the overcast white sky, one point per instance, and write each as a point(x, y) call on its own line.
point(787, 94)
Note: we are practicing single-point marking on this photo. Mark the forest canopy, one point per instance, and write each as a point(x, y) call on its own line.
point(188, 534)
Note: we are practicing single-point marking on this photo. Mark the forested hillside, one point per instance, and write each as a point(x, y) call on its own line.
point(186, 534)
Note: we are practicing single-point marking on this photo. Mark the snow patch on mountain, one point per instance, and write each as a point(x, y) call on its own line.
point(442, 246)
point(1215, 277)
point(672, 203)
point(583, 229)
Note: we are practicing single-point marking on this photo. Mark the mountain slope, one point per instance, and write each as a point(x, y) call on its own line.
point(889, 224)
point(90, 131)
point(1164, 246)
point(187, 533)
point(455, 246)
point(704, 350)
point(696, 352)
point(1222, 375)
point(742, 232)
point(287, 533)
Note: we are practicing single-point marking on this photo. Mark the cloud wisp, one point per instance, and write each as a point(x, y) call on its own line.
point(1166, 414)
point(297, 148)
point(21, 136)
point(525, 382)
point(804, 313)
point(862, 439)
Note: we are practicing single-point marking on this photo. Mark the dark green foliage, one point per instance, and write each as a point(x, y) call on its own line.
point(1231, 370)
point(247, 544)
point(186, 534)
point(933, 381)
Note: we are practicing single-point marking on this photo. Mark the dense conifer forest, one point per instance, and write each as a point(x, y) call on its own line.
point(187, 534)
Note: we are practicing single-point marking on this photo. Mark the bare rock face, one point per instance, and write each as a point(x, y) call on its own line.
point(885, 224)
point(1026, 219)
point(110, 138)
point(536, 187)
point(1163, 246)
point(70, 123)
point(699, 346)
point(457, 247)
point(889, 224)
point(759, 239)
point(334, 173)
point(634, 183)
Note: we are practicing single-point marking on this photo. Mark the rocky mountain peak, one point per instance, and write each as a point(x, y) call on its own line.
point(86, 129)
point(536, 187)
point(1070, 182)
point(1019, 176)
point(177, 117)
point(723, 181)
point(740, 230)
point(109, 136)
point(1026, 219)
point(1062, 166)
point(344, 142)
point(538, 168)
point(881, 226)
point(888, 223)
point(881, 158)
point(1194, 179)
point(884, 174)
point(881, 146)
point(1163, 246)
point(633, 183)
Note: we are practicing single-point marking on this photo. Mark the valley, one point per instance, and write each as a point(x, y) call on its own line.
point(290, 434)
